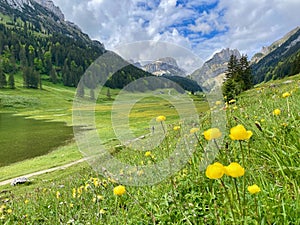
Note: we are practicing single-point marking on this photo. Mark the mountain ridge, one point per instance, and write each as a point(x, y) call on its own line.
point(213, 70)
point(164, 66)
point(281, 61)
point(276, 44)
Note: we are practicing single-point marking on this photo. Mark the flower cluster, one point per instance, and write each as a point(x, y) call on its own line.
point(217, 170)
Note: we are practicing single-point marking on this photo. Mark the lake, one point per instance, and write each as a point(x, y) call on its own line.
point(22, 138)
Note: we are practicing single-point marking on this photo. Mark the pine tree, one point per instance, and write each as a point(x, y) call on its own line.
point(53, 76)
point(11, 81)
point(245, 71)
point(238, 77)
point(3, 81)
point(232, 67)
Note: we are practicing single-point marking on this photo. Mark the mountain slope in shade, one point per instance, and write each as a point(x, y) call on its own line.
point(267, 50)
point(164, 66)
point(45, 18)
point(281, 62)
point(212, 72)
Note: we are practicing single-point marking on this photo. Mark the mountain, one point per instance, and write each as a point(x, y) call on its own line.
point(282, 61)
point(268, 49)
point(164, 66)
point(37, 43)
point(213, 70)
point(44, 17)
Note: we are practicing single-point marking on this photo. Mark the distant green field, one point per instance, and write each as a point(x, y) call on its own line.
point(55, 102)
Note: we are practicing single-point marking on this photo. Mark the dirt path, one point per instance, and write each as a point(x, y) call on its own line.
point(44, 171)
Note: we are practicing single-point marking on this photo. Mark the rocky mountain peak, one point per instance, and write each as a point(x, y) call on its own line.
point(223, 56)
point(164, 66)
point(213, 70)
point(168, 60)
point(48, 4)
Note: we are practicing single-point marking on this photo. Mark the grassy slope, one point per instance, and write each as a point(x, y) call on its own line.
point(55, 103)
point(272, 162)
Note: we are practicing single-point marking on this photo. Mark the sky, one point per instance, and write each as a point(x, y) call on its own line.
point(203, 27)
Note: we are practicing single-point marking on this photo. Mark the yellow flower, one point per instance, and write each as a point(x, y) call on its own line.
point(194, 130)
point(119, 190)
point(253, 189)
point(212, 133)
point(26, 201)
point(239, 133)
point(86, 187)
point(232, 101)
point(102, 211)
point(286, 94)
point(235, 107)
point(176, 128)
point(9, 211)
point(276, 112)
point(215, 171)
point(218, 102)
point(74, 192)
point(234, 170)
point(147, 154)
point(100, 197)
point(160, 118)
point(71, 205)
point(57, 194)
point(96, 182)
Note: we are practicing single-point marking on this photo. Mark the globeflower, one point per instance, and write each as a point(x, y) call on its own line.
point(119, 190)
point(194, 130)
point(160, 118)
point(286, 94)
point(276, 112)
point(147, 154)
point(240, 133)
point(234, 170)
point(212, 133)
point(253, 189)
point(176, 128)
point(215, 171)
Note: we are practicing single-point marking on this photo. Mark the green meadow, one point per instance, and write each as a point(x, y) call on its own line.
point(254, 178)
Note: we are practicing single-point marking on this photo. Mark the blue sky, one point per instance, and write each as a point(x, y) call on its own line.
point(202, 26)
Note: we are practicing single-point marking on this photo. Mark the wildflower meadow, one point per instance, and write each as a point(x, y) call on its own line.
point(254, 178)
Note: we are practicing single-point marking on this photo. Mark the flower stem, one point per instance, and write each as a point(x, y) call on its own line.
point(244, 182)
point(243, 156)
point(256, 205)
point(230, 202)
point(199, 141)
point(163, 127)
point(237, 191)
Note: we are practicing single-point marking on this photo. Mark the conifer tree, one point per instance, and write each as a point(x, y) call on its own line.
point(3, 81)
point(238, 77)
point(11, 81)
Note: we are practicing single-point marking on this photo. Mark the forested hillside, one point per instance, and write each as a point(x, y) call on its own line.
point(282, 62)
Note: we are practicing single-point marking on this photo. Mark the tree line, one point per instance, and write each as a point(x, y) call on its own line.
point(57, 58)
point(238, 77)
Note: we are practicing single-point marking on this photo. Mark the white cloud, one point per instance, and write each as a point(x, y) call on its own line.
point(246, 25)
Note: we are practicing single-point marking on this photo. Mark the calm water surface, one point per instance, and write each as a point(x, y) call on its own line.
point(22, 138)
